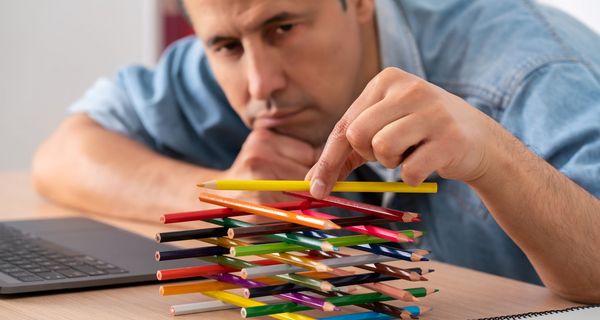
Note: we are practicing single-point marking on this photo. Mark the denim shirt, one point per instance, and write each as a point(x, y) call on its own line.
point(533, 69)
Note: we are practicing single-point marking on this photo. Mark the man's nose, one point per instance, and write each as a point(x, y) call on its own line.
point(265, 75)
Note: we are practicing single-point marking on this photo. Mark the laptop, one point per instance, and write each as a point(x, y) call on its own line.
point(44, 255)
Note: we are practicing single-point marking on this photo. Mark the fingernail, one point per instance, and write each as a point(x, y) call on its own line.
point(317, 188)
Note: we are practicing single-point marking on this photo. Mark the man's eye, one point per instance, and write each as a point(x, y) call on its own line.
point(228, 47)
point(284, 28)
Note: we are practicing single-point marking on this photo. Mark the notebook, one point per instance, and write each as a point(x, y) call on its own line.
point(574, 313)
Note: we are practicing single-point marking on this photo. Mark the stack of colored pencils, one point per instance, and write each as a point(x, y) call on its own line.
point(302, 266)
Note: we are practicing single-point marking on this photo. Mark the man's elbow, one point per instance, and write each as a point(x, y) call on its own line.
point(44, 168)
point(52, 164)
point(577, 294)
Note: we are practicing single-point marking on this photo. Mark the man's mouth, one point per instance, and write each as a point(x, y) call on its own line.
point(275, 117)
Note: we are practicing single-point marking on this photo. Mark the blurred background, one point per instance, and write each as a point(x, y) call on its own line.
point(51, 51)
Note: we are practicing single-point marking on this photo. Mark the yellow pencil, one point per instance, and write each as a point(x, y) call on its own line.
point(269, 212)
point(301, 185)
point(245, 303)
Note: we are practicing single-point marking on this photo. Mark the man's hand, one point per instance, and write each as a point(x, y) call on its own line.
point(400, 119)
point(268, 155)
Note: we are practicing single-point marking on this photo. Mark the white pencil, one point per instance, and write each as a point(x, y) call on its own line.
point(263, 271)
point(213, 305)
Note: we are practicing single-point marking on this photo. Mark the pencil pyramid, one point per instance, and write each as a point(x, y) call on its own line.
point(294, 263)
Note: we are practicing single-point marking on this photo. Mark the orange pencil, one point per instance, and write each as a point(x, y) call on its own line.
point(288, 216)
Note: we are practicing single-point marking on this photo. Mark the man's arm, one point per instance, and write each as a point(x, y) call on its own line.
point(402, 120)
point(554, 221)
point(86, 166)
point(89, 167)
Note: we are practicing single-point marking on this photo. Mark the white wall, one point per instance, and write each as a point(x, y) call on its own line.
point(52, 50)
point(588, 11)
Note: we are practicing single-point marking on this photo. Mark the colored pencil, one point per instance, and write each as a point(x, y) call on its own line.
point(339, 281)
point(331, 263)
point(386, 213)
point(378, 286)
point(298, 279)
point(168, 290)
point(397, 312)
point(375, 248)
point(267, 229)
point(190, 234)
point(299, 298)
point(269, 212)
point(285, 247)
point(281, 257)
point(371, 315)
point(189, 253)
point(202, 271)
point(212, 305)
point(412, 274)
point(387, 234)
point(227, 212)
point(304, 185)
point(243, 302)
point(293, 238)
point(344, 300)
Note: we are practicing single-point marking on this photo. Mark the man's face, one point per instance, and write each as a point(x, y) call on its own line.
point(288, 65)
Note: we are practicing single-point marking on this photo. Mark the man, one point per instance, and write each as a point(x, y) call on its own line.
point(501, 100)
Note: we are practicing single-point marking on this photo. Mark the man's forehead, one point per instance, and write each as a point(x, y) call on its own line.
point(227, 16)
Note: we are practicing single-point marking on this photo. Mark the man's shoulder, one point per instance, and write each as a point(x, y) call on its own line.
point(487, 48)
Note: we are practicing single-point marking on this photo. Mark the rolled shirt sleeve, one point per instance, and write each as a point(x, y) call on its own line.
point(556, 113)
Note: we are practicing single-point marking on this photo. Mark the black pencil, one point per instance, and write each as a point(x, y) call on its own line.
point(191, 234)
point(341, 281)
point(271, 228)
point(190, 253)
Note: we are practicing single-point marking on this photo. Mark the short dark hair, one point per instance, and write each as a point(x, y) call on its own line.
point(187, 17)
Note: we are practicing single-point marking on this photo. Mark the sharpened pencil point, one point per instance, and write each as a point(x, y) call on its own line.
point(158, 275)
point(157, 237)
point(157, 256)
point(328, 306)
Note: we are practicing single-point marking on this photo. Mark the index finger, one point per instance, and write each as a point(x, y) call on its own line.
point(325, 172)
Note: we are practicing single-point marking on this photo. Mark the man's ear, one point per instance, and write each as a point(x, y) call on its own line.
point(365, 9)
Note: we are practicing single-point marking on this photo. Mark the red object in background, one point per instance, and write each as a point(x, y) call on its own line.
point(175, 25)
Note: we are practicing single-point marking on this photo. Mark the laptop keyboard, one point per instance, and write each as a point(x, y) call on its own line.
point(28, 258)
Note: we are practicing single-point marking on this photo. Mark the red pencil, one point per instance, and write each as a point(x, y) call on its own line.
point(201, 271)
point(227, 212)
point(396, 215)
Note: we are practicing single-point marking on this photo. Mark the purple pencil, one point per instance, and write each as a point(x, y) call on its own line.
point(295, 297)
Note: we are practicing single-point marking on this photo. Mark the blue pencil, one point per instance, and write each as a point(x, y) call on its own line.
point(360, 316)
point(374, 248)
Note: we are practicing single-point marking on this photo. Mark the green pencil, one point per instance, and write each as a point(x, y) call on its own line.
point(291, 238)
point(285, 247)
point(293, 307)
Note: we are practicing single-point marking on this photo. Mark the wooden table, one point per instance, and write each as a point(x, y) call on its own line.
point(464, 293)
